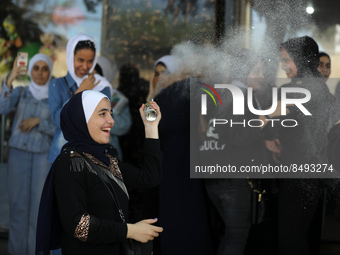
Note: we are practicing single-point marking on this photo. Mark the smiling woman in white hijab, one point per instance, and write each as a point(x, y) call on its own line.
point(37, 87)
point(81, 60)
point(29, 144)
point(83, 178)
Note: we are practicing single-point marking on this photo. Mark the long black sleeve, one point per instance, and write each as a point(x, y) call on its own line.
point(334, 146)
point(149, 175)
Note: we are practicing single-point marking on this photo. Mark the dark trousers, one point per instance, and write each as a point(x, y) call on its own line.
point(299, 219)
point(232, 199)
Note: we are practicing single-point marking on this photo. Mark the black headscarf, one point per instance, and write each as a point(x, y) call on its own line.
point(304, 51)
point(323, 54)
point(74, 127)
point(75, 130)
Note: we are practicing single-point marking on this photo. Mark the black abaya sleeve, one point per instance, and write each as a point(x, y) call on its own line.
point(334, 146)
point(149, 175)
point(73, 187)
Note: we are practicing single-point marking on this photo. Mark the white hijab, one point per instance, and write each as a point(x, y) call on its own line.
point(39, 91)
point(108, 67)
point(90, 100)
point(171, 63)
point(71, 45)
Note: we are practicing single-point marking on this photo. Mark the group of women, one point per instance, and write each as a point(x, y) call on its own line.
point(296, 226)
point(61, 128)
point(38, 138)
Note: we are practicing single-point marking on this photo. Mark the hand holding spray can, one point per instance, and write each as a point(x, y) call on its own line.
point(150, 113)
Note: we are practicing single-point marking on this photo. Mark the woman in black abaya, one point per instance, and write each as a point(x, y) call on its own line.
point(300, 200)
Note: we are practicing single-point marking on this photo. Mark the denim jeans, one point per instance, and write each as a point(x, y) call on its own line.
point(232, 199)
point(26, 177)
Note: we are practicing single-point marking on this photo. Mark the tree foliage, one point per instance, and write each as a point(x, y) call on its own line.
point(142, 34)
point(27, 29)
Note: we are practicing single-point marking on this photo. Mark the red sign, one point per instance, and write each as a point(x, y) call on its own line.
point(63, 15)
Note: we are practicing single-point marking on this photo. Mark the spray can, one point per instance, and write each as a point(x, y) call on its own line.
point(150, 113)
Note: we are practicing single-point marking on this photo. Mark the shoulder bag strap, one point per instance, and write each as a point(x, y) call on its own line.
point(104, 178)
point(71, 91)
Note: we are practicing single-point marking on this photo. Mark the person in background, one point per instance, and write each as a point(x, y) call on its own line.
point(232, 197)
point(300, 200)
point(182, 200)
point(334, 146)
point(161, 78)
point(81, 60)
point(325, 69)
point(120, 104)
point(88, 214)
point(106, 68)
point(30, 141)
point(324, 65)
